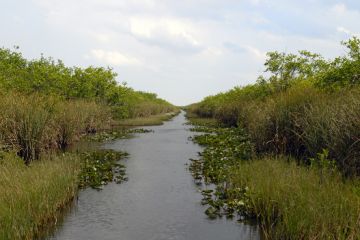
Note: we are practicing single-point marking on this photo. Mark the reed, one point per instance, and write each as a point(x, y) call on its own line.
point(31, 196)
point(295, 202)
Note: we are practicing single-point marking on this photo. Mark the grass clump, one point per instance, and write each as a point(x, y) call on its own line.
point(31, 196)
point(289, 200)
point(34, 124)
point(295, 202)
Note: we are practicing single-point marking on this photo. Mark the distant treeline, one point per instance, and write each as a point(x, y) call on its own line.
point(51, 77)
point(305, 105)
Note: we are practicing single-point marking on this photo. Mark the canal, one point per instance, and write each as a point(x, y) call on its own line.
point(159, 201)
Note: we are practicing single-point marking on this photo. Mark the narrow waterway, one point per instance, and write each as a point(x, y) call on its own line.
point(159, 201)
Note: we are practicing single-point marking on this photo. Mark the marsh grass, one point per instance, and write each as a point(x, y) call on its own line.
point(300, 122)
point(31, 196)
point(34, 124)
point(26, 124)
point(146, 121)
point(290, 200)
point(295, 202)
point(75, 118)
point(193, 119)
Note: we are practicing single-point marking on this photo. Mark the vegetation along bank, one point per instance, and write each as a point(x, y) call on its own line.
point(45, 107)
point(285, 150)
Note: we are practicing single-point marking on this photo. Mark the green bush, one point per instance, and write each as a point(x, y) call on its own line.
point(306, 104)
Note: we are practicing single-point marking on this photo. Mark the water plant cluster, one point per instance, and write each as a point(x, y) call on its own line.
point(224, 149)
point(100, 167)
point(119, 133)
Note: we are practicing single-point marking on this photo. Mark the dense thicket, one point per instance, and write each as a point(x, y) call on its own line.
point(305, 105)
point(45, 105)
point(49, 77)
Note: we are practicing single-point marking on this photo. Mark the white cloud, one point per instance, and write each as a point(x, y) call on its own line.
point(114, 58)
point(101, 37)
point(347, 31)
point(344, 30)
point(339, 9)
point(256, 53)
point(165, 32)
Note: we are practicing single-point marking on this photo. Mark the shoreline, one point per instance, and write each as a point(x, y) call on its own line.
point(36, 220)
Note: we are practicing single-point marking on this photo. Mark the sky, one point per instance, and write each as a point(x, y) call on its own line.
point(183, 50)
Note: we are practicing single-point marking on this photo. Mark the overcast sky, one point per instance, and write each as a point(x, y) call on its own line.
point(183, 50)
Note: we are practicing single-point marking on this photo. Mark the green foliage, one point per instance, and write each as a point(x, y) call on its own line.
point(46, 105)
point(304, 105)
point(344, 71)
point(50, 77)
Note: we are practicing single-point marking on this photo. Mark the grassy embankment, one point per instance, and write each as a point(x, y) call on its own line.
point(147, 121)
point(291, 156)
point(45, 108)
point(30, 197)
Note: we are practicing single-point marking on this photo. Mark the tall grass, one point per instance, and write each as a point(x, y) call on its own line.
point(294, 202)
point(301, 122)
point(333, 123)
point(26, 124)
point(31, 196)
point(34, 124)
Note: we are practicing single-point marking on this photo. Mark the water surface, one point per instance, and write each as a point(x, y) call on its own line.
point(160, 200)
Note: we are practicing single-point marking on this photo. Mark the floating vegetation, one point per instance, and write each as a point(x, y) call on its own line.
point(224, 148)
point(101, 167)
point(227, 202)
point(121, 133)
point(140, 130)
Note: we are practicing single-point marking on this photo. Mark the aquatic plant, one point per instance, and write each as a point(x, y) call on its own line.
point(288, 201)
point(100, 167)
point(117, 133)
point(224, 148)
